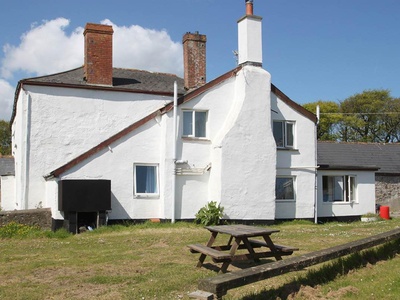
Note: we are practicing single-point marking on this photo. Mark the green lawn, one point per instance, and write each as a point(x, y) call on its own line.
point(151, 261)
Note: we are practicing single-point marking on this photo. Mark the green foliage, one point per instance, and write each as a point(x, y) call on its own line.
point(58, 234)
point(370, 116)
point(5, 138)
point(14, 229)
point(329, 119)
point(210, 214)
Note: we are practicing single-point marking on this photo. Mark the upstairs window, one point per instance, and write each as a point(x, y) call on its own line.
point(339, 188)
point(146, 180)
point(284, 133)
point(284, 188)
point(194, 123)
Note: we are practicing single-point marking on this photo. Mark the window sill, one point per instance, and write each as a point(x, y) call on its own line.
point(194, 139)
point(146, 197)
point(339, 203)
point(287, 149)
point(284, 200)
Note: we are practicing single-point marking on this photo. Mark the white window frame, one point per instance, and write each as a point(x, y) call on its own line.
point(193, 131)
point(293, 178)
point(347, 186)
point(285, 132)
point(141, 194)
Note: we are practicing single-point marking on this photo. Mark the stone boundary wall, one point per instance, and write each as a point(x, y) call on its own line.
point(34, 217)
point(387, 191)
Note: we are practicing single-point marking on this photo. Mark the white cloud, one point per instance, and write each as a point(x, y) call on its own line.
point(44, 49)
point(47, 49)
point(146, 49)
point(6, 100)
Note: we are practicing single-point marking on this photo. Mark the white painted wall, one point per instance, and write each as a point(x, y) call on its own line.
point(365, 195)
point(7, 192)
point(299, 162)
point(54, 125)
point(244, 150)
point(239, 146)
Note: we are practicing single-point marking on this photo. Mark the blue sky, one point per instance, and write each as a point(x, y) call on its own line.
point(314, 49)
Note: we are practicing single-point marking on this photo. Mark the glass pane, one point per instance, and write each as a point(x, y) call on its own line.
point(289, 134)
point(333, 189)
point(146, 180)
point(284, 188)
point(200, 125)
point(352, 187)
point(338, 188)
point(187, 123)
point(278, 133)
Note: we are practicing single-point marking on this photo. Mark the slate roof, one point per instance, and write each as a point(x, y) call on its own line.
point(123, 79)
point(385, 158)
point(7, 166)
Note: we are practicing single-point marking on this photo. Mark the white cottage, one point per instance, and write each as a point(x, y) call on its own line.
point(99, 142)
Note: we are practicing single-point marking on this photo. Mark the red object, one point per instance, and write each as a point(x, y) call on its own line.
point(384, 212)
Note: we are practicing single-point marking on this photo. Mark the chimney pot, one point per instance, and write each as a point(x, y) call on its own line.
point(249, 7)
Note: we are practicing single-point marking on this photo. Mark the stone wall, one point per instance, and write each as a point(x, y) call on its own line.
point(40, 217)
point(387, 191)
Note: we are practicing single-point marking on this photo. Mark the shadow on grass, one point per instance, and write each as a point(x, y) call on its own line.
point(329, 271)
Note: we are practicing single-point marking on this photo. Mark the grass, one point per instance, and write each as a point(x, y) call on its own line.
point(151, 261)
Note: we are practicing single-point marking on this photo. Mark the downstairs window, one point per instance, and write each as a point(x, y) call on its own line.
point(145, 180)
point(339, 188)
point(284, 188)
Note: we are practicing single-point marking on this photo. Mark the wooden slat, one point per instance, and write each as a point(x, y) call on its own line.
point(220, 284)
point(282, 248)
point(214, 253)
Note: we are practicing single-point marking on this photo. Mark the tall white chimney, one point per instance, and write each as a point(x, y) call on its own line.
point(250, 37)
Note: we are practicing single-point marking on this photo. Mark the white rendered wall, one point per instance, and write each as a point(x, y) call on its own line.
point(239, 146)
point(244, 150)
point(299, 162)
point(365, 195)
point(116, 164)
point(250, 39)
point(64, 123)
point(7, 192)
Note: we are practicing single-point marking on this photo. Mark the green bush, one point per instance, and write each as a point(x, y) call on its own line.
point(210, 214)
point(14, 229)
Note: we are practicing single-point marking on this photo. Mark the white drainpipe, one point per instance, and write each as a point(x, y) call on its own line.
point(316, 170)
point(174, 151)
point(26, 149)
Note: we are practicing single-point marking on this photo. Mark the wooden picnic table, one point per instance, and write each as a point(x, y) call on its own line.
point(240, 238)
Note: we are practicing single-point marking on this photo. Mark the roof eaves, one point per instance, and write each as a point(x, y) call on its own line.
point(347, 167)
point(293, 104)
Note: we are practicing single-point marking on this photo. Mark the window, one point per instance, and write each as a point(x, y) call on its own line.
point(194, 123)
point(284, 188)
point(146, 180)
point(339, 188)
point(284, 133)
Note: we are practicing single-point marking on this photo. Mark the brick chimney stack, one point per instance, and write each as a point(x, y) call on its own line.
point(98, 68)
point(194, 59)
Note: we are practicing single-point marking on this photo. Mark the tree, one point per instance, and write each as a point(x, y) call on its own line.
point(369, 116)
point(5, 138)
point(329, 119)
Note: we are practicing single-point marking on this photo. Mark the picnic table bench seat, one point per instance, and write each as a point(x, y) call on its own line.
point(210, 251)
point(259, 243)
